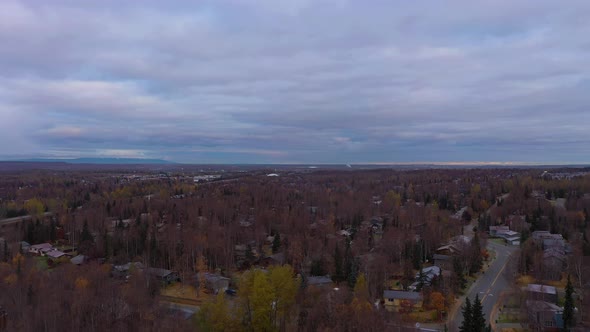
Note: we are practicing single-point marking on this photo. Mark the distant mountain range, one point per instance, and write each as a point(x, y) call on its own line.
point(102, 161)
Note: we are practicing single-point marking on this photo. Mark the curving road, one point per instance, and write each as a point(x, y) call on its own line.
point(489, 285)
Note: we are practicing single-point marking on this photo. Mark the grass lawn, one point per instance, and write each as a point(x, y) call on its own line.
point(524, 280)
point(470, 280)
point(394, 284)
point(512, 302)
point(180, 291)
point(177, 293)
point(508, 318)
point(41, 262)
point(428, 316)
point(497, 240)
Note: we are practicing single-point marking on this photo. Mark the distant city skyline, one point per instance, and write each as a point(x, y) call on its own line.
point(300, 81)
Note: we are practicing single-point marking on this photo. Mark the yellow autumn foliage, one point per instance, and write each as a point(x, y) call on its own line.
point(81, 283)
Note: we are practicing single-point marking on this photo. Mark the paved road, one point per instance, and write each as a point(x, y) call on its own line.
point(15, 220)
point(488, 286)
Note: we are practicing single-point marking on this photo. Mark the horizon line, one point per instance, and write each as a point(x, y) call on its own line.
point(380, 163)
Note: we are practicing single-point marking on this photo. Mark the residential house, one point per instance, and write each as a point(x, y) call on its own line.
point(216, 283)
point(495, 229)
point(163, 275)
point(78, 260)
point(459, 214)
point(401, 301)
point(513, 240)
point(548, 240)
point(276, 259)
point(511, 237)
point(40, 249)
point(536, 292)
point(544, 316)
point(319, 281)
point(122, 271)
point(556, 241)
point(445, 262)
point(426, 277)
point(461, 240)
point(24, 246)
point(55, 254)
point(345, 233)
point(377, 223)
point(554, 263)
point(118, 223)
point(537, 194)
point(449, 250)
point(540, 235)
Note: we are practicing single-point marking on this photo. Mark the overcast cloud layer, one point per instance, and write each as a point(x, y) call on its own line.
point(301, 81)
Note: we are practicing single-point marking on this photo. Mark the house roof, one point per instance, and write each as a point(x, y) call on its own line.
point(462, 239)
point(441, 257)
point(429, 272)
point(507, 234)
point(212, 277)
point(126, 267)
point(55, 254)
point(553, 242)
point(542, 306)
point(541, 289)
point(162, 273)
point(554, 252)
point(41, 246)
point(497, 228)
point(401, 295)
point(546, 235)
point(78, 259)
point(319, 280)
point(451, 247)
point(279, 257)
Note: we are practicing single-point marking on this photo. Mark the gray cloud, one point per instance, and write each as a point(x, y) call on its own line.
point(297, 81)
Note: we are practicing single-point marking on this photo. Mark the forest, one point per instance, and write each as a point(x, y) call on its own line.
point(257, 250)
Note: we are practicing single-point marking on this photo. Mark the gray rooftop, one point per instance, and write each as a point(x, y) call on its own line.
point(319, 280)
point(541, 289)
point(401, 295)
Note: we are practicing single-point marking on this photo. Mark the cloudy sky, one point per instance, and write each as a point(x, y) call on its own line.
point(297, 81)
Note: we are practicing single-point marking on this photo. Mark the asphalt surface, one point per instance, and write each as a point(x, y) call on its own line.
point(488, 286)
point(10, 221)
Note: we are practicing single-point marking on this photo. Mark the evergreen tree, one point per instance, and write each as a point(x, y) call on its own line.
point(52, 231)
point(568, 307)
point(466, 325)
point(276, 243)
point(476, 261)
point(317, 268)
point(338, 272)
point(86, 236)
point(459, 277)
point(478, 321)
point(5, 251)
point(249, 255)
point(352, 273)
point(421, 280)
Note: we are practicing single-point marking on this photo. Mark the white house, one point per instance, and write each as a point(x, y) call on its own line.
point(40, 249)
